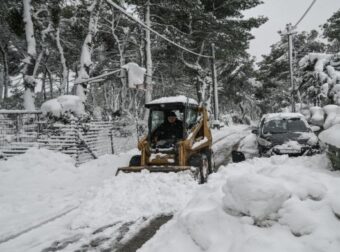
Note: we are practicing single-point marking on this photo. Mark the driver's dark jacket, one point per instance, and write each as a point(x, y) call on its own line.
point(169, 131)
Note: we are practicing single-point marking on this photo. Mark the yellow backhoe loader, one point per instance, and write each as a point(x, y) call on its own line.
point(188, 149)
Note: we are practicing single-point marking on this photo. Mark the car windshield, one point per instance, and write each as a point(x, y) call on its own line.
point(284, 125)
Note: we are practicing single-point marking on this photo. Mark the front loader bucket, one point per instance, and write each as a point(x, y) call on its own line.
point(153, 169)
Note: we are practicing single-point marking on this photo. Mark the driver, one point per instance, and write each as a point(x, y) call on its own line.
point(172, 128)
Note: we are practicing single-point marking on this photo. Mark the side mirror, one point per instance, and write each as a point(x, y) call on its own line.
point(255, 131)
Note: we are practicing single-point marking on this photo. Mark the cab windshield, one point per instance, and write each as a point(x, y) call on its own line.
point(160, 116)
point(284, 125)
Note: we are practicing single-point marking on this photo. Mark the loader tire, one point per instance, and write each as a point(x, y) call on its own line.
point(135, 160)
point(202, 162)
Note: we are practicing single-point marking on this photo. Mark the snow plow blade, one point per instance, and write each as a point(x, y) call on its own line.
point(153, 169)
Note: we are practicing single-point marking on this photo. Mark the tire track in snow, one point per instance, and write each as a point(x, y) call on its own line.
point(155, 224)
point(26, 230)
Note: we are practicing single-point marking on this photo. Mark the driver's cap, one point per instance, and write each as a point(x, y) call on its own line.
point(172, 114)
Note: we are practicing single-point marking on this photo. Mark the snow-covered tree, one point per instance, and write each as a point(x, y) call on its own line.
point(273, 70)
point(321, 77)
point(331, 31)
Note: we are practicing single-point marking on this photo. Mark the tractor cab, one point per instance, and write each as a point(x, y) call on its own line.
point(170, 122)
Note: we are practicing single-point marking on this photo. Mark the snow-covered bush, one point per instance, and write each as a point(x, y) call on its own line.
point(64, 108)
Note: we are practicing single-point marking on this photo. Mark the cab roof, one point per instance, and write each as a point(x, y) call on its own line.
point(173, 101)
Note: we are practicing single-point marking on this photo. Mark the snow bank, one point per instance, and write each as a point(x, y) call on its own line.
point(317, 116)
point(331, 136)
point(263, 204)
point(253, 195)
point(130, 196)
point(248, 146)
point(41, 183)
point(333, 115)
point(173, 99)
point(65, 103)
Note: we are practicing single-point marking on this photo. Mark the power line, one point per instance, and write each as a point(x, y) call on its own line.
point(304, 14)
point(155, 32)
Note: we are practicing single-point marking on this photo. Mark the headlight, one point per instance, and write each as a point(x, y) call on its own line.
point(264, 142)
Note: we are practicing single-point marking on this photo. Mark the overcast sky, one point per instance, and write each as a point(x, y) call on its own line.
point(281, 12)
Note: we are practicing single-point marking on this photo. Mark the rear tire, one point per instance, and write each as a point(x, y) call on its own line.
point(135, 160)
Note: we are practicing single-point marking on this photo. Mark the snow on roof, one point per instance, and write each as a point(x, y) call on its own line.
point(331, 136)
point(174, 99)
point(278, 116)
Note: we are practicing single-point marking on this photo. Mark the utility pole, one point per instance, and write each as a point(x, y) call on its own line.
point(148, 79)
point(290, 32)
point(214, 79)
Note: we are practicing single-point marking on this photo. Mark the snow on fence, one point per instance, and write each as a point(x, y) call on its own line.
point(20, 130)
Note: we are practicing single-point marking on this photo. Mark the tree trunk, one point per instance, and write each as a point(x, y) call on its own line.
point(30, 61)
point(85, 58)
point(148, 79)
point(50, 81)
point(64, 75)
point(1, 84)
point(6, 80)
point(121, 50)
point(43, 85)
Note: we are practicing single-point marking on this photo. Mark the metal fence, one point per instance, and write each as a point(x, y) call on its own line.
point(21, 130)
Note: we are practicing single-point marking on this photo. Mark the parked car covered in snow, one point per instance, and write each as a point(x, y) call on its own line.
point(285, 133)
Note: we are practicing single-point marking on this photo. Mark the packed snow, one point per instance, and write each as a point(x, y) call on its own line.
point(333, 115)
point(331, 136)
point(248, 146)
point(317, 116)
point(263, 204)
point(41, 183)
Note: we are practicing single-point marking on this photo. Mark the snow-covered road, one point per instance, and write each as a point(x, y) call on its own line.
point(262, 204)
point(105, 210)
